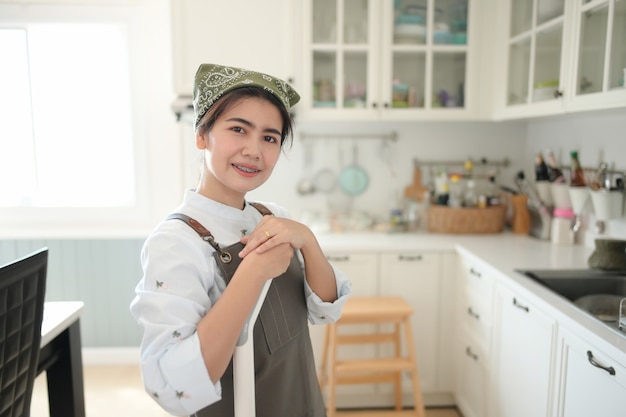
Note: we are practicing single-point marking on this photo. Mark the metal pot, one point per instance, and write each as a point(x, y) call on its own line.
point(604, 306)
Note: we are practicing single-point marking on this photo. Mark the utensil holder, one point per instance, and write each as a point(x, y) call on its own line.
point(544, 189)
point(607, 205)
point(560, 196)
point(579, 197)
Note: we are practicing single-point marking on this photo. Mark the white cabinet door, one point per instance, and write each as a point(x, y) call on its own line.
point(599, 56)
point(397, 60)
point(362, 270)
point(523, 372)
point(416, 277)
point(534, 56)
point(474, 296)
point(252, 34)
point(592, 383)
point(472, 364)
point(560, 56)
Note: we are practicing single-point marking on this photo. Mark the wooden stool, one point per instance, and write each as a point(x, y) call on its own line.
point(372, 310)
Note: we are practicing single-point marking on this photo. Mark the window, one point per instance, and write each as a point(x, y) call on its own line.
point(65, 105)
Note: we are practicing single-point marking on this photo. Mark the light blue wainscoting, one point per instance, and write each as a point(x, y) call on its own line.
point(102, 273)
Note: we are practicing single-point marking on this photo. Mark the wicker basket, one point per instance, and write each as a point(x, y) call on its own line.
point(443, 219)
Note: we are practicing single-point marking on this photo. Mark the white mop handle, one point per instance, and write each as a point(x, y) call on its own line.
point(243, 363)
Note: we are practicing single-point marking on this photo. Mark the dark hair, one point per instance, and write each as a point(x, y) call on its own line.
point(231, 98)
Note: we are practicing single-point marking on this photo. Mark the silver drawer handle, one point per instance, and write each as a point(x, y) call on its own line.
point(343, 258)
point(471, 313)
point(471, 354)
point(520, 306)
point(595, 363)
point(475, 272)
point(409, 257)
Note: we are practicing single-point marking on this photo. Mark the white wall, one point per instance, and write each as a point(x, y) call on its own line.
point(426, 141)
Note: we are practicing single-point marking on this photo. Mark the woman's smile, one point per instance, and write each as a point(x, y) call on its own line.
point(241, 150)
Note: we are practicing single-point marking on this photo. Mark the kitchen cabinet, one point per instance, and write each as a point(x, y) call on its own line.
point(472, 363)
point(474, 327)
point(362, 269)
point(241, 33)
point(599, 60)
point(387, 60)
point(560, 56)
point(416, 276)
point(592, 382)
point(524, 342)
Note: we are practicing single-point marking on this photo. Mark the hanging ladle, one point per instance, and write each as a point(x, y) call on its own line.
point(306, 184)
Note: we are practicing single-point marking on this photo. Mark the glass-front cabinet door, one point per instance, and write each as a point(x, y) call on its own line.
point(341, 55)
point(427, 51)
point(600, 54)
point(392, 59)
point(563, 55)
point(535, 52)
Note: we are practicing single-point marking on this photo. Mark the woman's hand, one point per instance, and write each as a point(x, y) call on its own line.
point(273, 231)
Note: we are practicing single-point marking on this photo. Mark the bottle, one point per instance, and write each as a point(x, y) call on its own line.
point(470, 199)
point(577, 176)
point(554, 172)
point(456, 193)
point(469, 166)
point(493, 198)
point(541, 169)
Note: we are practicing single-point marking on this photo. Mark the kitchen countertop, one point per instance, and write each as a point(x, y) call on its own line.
point(502, 254)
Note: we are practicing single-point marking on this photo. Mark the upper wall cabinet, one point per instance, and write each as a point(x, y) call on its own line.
point(599, 60)
point(387, 60)
point(560, 55)
point(252, 34)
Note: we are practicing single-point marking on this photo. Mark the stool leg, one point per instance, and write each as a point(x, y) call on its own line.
point(417, 389)
point(398, 377)
point(332, 356)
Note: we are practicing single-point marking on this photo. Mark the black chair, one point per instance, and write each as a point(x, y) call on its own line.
point(22, 292)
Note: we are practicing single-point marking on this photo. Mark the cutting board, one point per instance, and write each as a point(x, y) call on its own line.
point(416, 190)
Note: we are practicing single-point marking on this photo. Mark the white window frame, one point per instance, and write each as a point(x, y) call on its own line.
point(157, 166)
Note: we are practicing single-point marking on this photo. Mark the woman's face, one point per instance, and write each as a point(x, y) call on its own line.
point(241, 150)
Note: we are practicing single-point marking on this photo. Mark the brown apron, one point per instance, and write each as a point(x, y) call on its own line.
point(284, 367)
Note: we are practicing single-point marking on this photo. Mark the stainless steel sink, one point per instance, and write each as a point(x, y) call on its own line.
point(573, 284)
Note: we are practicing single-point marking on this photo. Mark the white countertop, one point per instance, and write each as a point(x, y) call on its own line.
point(503, 254)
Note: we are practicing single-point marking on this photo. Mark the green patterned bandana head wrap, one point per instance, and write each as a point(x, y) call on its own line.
point(213, 81)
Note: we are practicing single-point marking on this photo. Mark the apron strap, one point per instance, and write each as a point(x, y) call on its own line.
point(207, 236)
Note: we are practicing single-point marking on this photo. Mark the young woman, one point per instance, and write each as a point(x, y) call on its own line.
point(204, 266)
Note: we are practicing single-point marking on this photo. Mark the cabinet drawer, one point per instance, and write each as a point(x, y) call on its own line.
point(477, 280)
point(593, 382)
point(472, 376)
point(475, 316)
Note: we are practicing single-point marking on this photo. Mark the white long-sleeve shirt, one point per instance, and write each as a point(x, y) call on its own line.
point(180, 285)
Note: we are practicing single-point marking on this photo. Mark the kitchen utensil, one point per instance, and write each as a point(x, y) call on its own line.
point(521, 219)
point(325, 181)
point(604, 306)
point(539, 214)
point(622, 314)
point(243, 363)
point(416, 191)
point(354, 179)
point(306, 185)
point(386, 155)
